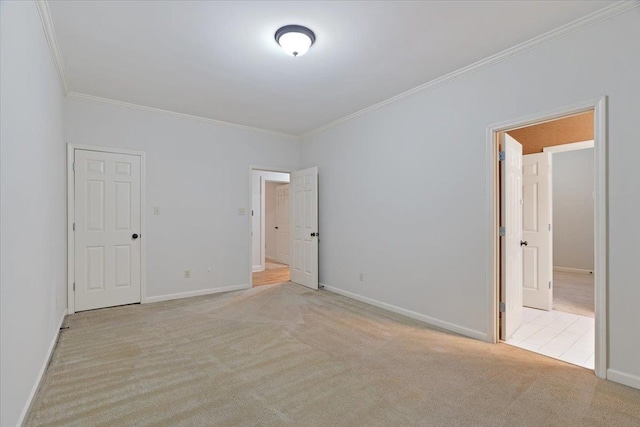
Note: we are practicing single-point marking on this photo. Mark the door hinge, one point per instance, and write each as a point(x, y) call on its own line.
point(74, 286)
point(503, 232)
point(74, 226)
point(503, 307)
point(549, 227)
point(502, 156)
point(549, 284)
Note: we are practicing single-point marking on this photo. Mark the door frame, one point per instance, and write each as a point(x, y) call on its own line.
point(249, 222)
point(263, 216)
point(71, 216)
point(574, 146)
point(599, 106)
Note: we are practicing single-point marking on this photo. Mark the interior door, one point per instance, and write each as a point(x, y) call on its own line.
point(536, 231)
point(282, 224)
point(304, 227)
point(511, 278)
point(107, 229)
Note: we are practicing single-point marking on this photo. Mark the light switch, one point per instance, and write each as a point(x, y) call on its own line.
point(156, 210)
point(241, 211)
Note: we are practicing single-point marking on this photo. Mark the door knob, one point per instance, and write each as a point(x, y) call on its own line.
point(134, 236)
point(523, 243)
point(277, 228)
point(313, 234)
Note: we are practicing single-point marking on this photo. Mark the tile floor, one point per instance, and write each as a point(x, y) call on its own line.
point(565, 336)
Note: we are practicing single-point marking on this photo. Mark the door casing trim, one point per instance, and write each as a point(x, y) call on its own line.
point(71, 218)
point(250, 203)
point(599, 106)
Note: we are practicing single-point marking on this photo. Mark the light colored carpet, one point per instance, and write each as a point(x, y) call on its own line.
point(284, 355)
point(574, 293)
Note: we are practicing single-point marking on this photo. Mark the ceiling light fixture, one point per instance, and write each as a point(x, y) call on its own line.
point(295, 39)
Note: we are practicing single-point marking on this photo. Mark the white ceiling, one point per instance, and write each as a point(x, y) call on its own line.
point(219, 60)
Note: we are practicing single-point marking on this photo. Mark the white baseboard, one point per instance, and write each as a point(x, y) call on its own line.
point(572, 270)
point(412, 314)
point(257, 268)
point(47, 359)
point(622, 378)
point(196, 293)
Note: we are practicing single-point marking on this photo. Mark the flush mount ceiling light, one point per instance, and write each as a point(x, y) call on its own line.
point(295, 39)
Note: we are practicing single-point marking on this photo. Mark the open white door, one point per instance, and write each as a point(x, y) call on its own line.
point(107, 216)
point(511, 211)
point(304, 227)
point(536, 231)
point(282, 223)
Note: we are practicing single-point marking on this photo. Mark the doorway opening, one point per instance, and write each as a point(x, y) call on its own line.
point(550, 251)
point(299, 228)
point(270, 227)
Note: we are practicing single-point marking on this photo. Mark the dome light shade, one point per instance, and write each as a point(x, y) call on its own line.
point(295, 40)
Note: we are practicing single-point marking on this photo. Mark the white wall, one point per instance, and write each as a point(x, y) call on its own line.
point(573, 204)
point(32, 206)
point(420, 238)
point(198, 174)
point(270, 218)
point(259, 177)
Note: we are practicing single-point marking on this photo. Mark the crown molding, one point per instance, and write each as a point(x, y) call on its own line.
point(108, 101)
point(600, 15)
point(597, 16)
point(52, 41)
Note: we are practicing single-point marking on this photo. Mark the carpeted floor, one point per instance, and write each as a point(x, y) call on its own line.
point(574, 293)
point(284, 355)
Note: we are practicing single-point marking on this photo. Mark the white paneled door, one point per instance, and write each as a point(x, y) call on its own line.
point(536, 231)
point(107, 216)
point(282, 223)
point(511, 247)
point(304, 227)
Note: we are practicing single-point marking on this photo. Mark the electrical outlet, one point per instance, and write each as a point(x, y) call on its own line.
point(362, 277)
point(187, 274)
point(156, 210)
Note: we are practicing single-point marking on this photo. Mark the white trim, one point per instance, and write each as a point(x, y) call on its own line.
point(600, 15)
point(143, 227)
point(70, 218)
point(601, 234)
point(408, 313)
point(599, 105)
point(107, 149)
point(52, 41)
point(252, 268)
point(43, 369)
point(198, 293)
point(623, 378)
point(574, 146)
point(257, 268)
point(572, 270)
point(108, 101)
point(263, 232)
point(263, 219)
point(71, 241)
